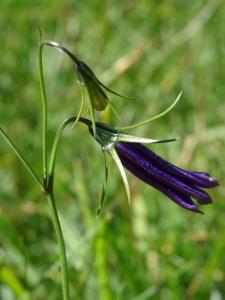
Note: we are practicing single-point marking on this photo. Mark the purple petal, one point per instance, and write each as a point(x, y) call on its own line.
point(200, 179)
point(133, 154)
point(181, 199)
point(205, 176)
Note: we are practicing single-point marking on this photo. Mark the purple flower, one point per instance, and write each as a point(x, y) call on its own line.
point(179, 185)
point(182, 186)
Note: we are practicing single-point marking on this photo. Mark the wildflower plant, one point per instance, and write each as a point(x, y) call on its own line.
point(181, 186)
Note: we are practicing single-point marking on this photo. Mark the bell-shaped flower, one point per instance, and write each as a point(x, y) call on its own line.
point(182, 186)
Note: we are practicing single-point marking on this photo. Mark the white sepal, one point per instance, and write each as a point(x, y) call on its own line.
point(122, 172)
point(135, 139)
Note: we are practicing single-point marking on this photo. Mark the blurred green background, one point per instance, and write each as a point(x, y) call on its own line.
point(146, 49)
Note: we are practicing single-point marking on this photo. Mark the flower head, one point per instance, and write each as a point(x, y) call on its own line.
point(182, 186)
point(179, 185)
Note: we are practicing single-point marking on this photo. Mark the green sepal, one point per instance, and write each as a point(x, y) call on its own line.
point(113, 92)
point(166, 111)
point(104, 186)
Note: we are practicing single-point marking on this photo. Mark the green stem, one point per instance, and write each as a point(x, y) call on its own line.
point(61, 244)
point(48, 177)
point(58, 136)
point(55, 218)
point(55, 148)
point(101, 262)
point(45, 117)
point(21, 157)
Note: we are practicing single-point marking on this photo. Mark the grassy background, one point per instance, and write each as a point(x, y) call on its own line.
point(146, 49)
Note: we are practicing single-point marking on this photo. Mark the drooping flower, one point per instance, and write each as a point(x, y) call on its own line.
point(98, 98)
point(182, 186)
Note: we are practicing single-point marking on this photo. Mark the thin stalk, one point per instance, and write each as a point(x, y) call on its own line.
point(101, 262)
point(55, 147)
point(81, 106)
point(55, 218)
point(48, 178)
point(44, 117)
point(62, 49)
point(61, 244)
point(50, 197)
point(21, 157)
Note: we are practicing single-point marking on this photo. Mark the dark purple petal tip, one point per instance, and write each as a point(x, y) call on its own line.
point(179, 185)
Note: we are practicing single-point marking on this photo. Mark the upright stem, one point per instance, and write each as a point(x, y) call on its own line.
point(61, 243)
point(45, 117)
point(48, 182)
point(101, 265)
